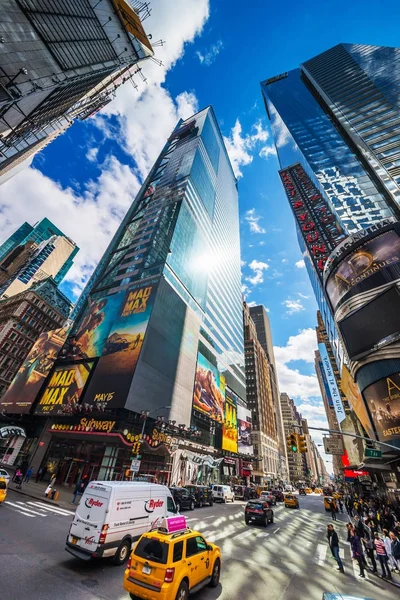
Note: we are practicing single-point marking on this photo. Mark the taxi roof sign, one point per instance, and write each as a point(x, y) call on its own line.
point(173, 524)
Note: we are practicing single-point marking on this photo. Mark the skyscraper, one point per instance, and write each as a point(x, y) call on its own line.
point(292, 422)
point(33, 253)
point(158, 338)
point(60, 61)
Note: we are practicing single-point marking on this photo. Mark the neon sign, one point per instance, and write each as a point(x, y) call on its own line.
point(318, 224)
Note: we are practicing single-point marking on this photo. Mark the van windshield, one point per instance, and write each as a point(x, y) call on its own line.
point(152, 549)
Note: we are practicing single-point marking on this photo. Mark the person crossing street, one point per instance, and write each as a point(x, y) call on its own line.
point(357, 551)
point(333, 540)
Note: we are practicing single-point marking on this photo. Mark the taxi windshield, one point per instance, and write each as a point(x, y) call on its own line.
point(152, 549)
point(3, 485)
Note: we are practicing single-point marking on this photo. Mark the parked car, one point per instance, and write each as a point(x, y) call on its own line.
point(258, 511)
point(183, 498)
point(223, 493)
point(4, 475)
point(202, 494)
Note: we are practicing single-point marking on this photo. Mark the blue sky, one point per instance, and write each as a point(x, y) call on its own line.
point(215, 53)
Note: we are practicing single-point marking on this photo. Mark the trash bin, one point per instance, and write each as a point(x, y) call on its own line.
point(53, 494)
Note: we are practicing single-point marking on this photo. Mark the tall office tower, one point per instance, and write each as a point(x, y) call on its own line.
point(264, 335)
point(260, 400)
point(33, 253)
point(291, 421)
point(61, 61)
point(335, 122)
point(23, 318)
point(157, 333)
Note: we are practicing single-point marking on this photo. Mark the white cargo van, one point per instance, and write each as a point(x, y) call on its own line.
point(113, 514)
point(223, 493)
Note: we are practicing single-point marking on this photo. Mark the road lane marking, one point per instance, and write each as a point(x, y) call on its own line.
point(58, 511)
point(276, 530)
point(22, 506)
point(262, 534)
point(243, 534)
point(321, 554)
point(18, 509)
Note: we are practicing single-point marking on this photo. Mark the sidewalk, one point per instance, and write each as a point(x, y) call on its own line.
point(36, 490)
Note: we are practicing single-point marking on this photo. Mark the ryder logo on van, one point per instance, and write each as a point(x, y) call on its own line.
point(150, 505)
point(89, 502)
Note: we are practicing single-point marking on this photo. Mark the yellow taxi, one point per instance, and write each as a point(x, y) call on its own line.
point(291, 501)
point(317, 491)
point(171, 562)
point(3, 489)
point(337, 495)
point(308, 491)
point(328, 500)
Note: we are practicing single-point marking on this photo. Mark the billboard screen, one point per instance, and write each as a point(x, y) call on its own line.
point(352, 393)
point(369, 266)
point(92, 333)
point(64, 389)
point(383, 401)
point(383, 318)
point(209, 390)
point(331, 380)
point(29, 379)
point(230, 426)
point(244, 430)
point(113, 373)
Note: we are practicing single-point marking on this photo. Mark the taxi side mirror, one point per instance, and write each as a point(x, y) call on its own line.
point(209, 547)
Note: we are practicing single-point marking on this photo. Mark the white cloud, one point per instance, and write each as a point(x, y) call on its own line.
point(293, 306)
point(267, 151)
point(291, 381)
point(285, 260)
point(258, 267)
point(253, 219)
point(243, 263)
point(281, 132)
point(91, 154)
point(239, 147)
point(211, 54)
point(303, 296)
point(252, 303)
point(300, 264)
point(144, 120)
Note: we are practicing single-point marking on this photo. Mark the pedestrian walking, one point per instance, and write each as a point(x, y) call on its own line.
point(28, 475)
point(79, 489)
point(341, 505)
point(368, 541)
point(332, 506)
point(357, 551)
point(395, 549)
point(382, 556)
point(18, 478)
point(388, 547)
point(333, 540)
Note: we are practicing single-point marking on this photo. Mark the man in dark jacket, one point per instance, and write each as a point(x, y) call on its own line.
point(333, 541)
point(357, 551)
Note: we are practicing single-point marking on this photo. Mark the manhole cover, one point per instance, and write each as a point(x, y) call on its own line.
point(90, 583)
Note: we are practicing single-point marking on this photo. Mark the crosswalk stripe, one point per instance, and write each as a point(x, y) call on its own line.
point(22, 506)
point(59, 511)
point(243, 534)
point(321, 554)
point(17, 509)
point(262, 534)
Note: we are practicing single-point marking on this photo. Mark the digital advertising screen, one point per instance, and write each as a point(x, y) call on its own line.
point(114, 371)
point(369, 266)
point(351, 391)
point(64, 389)
point(209, 390)
point(30, 377)
point(244, 430)
point(383, 401)
point(230, 426)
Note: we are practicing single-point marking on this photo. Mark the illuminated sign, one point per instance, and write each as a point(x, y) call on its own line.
point(383, 401)
point(64, 389)
point(318, 224)
point(230, 425)
point(85, 425)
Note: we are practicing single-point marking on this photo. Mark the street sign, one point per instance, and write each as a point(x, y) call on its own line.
point(333, 445)
point(135, 465)
point(372, 453)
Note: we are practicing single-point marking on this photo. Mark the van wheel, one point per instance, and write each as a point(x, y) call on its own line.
point(183, 592)
point(215, 574)
point(122, 553)
point(192, 505)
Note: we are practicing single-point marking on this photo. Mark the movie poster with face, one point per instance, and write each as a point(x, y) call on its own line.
point(244, 430)
point(383, 401)
point(63, 391)
point(29, 379)
point(114, 372)
point(230, 426)
point(209, 390)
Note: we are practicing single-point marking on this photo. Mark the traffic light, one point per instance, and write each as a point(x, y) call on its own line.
point(302, 444)
point(292, 442)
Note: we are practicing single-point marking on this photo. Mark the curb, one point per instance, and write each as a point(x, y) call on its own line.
point(42, 499)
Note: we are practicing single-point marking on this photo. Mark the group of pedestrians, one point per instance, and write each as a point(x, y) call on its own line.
point(373, 533)
point(22, 476)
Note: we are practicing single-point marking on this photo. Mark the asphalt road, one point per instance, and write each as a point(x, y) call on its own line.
point(288, 560)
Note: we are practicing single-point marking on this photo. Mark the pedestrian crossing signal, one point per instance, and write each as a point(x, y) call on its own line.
point(302, 444)
point(292, 442)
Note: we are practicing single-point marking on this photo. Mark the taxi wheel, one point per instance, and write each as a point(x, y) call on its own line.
point(122, 553)
point(183, 592)
point(215, 574)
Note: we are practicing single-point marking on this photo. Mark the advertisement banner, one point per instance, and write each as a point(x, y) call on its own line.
point(374, 260)
point(230, 428)
point(30, 377)
point(352, 393)
point(383, 400)
point(91, 336)
point(209, 390)
point(326, 386)
point(113, 374)
point(331, 380)
point(354, 447)
point(131, 22)
point(64, 389)
point(244, 430)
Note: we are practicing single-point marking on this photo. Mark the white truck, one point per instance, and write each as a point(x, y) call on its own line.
point(111, 515)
